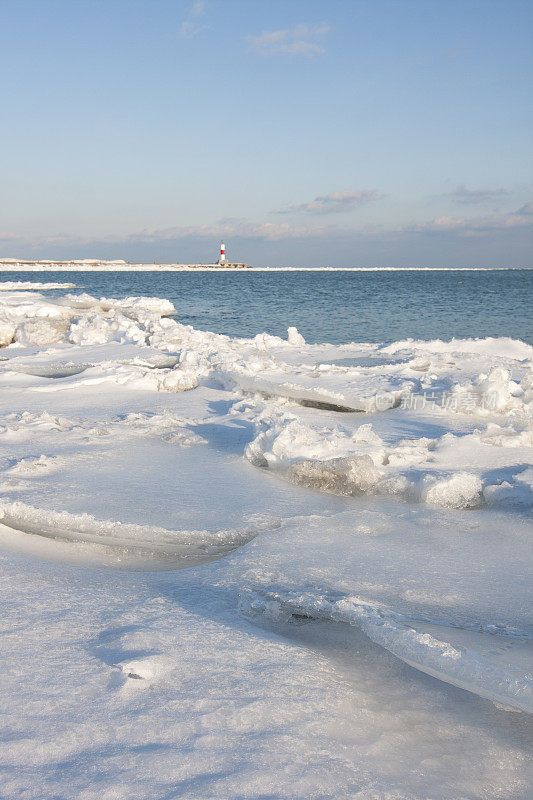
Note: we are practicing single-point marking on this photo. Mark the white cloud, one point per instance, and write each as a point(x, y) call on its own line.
point(303, 40)
point(226, 228)
point(222, 229)
point(454, 231)
point(475, 196)
point(335, 202)
point(190, 26)
point(474, 226)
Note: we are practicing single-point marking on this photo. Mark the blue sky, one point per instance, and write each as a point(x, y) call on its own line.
point(347, 132)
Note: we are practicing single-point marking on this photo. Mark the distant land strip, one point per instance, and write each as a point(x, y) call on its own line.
point(99, 265)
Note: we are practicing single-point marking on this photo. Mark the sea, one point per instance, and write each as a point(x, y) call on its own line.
point(335, 306)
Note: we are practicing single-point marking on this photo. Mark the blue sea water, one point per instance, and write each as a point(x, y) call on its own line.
point(330, 306)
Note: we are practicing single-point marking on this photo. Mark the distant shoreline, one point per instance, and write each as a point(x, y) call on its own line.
point(94, 265)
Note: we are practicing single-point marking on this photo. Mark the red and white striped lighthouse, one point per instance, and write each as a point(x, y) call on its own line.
point(222, 253)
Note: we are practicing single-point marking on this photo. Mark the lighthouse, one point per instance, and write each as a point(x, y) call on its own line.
point(222, 259)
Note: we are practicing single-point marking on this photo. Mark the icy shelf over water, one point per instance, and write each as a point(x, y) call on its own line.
point(248, 568)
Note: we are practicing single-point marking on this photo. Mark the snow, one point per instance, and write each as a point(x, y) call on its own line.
point(118, 265)
point(463, 490)
point(8, 286)
point(294, 337)
point(249, 568)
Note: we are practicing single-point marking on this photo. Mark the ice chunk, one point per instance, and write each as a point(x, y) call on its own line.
point(463, 490)
point(294, 337)
point(343, 476)
point(507, 436)
point(7, 332)
point(487, 394)
point(41, 331)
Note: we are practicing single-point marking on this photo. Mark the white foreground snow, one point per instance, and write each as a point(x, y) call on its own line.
point(259, 568)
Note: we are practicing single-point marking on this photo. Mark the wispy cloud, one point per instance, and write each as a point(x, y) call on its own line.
point(526, 210)
point(474, 226)
point(302, 40)
point(334, 203)
point(191, 25)
point(455, 51)
point(456, 233)
point(475, 196)
point(228, 228)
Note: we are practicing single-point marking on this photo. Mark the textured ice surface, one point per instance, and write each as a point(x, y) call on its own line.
point(356, 522)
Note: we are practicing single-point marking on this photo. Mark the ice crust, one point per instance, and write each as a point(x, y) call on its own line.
point(187, 548)
point(343, 511)
point(488, 675)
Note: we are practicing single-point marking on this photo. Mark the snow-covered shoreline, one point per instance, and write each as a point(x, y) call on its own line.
point(223, 553)
point(95, 265)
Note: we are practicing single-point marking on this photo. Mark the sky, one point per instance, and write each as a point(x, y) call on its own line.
point(303, 132)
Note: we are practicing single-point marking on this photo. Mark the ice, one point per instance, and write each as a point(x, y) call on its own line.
point(462, 490)
point(183, 548)
point(478, 660)
point(9, 286)
point(119, 265)
point(82, 319)
point(258, 567)
point(495, 392)
point(7, 332)
point(503, 346)
point(321, 388)
point(345, 476)
point(421, 469)
point(507, 436)
point(294, 337)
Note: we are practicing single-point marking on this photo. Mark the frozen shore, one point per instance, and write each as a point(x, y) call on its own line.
point(250, 568)
point(97, 265)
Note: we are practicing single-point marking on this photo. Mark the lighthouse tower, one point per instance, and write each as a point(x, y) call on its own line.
point(222, 259)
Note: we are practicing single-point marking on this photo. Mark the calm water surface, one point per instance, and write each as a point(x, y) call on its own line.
point(331, 307)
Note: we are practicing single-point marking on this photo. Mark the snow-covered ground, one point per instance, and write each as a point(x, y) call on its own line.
point(259, 568)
